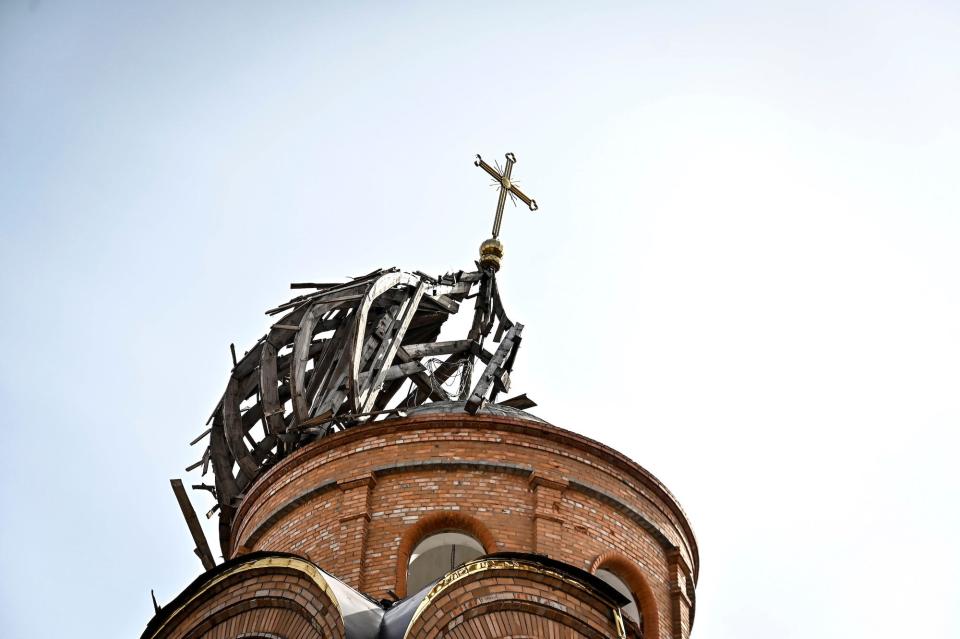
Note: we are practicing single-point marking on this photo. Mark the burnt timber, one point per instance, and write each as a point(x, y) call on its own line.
point(350, 353)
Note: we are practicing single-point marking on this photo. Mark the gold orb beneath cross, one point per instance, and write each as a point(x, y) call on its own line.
point(491, 253)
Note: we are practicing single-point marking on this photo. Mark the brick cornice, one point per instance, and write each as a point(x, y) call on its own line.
point(538, 479)
point(488, 423)
point(365, 481)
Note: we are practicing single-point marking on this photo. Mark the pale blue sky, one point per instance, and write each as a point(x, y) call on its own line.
point(754, 206)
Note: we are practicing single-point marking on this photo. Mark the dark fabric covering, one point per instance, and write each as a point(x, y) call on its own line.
point(399, 615)
point(361, 615)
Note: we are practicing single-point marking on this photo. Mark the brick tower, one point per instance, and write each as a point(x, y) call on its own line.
point(370, 485)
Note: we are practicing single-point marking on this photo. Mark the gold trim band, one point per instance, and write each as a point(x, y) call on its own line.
point(299, 565)
point(483, 565)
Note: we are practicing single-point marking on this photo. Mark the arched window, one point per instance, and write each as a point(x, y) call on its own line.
point(630, 611)
point(437, 555)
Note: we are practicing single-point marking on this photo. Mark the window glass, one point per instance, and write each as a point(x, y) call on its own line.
point(437, 555)
point(631, 611)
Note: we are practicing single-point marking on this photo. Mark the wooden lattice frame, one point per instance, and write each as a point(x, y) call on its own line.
point(339, 356)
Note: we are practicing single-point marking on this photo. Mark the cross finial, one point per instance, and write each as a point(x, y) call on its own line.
point(491, 251)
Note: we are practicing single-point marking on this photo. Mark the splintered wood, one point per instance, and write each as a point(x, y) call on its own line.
point(350, 353)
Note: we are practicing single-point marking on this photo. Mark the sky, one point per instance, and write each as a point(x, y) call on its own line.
point(743, 273)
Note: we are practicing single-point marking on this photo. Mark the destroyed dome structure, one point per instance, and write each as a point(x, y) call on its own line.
point(338, 357)
point(374, 481)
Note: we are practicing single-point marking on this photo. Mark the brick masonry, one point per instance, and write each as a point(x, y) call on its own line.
point(357, 502)
point(267, 602)
point(505, 603)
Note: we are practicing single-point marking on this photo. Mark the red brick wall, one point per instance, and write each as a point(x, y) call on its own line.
point(261, 602)
point(514, 603)
point(354, 503)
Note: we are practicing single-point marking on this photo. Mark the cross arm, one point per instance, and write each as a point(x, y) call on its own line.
point(489, 169)
point(526, 200)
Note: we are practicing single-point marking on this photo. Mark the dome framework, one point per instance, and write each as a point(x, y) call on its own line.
point(351, 353)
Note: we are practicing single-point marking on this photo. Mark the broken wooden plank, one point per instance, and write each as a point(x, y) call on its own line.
point(283, 361)
point(297, 303)
point(269, 391)
point(418, 333)
point(337, 392)
point(318, 285)
point(397, 371)
point(330, 362)
point(358, 283)
point(493, 369)
point(375, 273)
point(248, 362)
point(480, 352)
point(368, 396)
point(428, 386)
point(193, 523)
point(379, 286)
point(432, 349)
point(483, 309)
point(298, 363)
point(233, 429)
point(203, 462)
point(442, 302)
point(282, 332)
point(429, 279)
point(222, 461)
point(200, 436)
point(521, 402)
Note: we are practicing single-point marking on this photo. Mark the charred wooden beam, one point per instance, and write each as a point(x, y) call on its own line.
point(493, 370)
point(443, 303)
point(377, 288)
point(269, 389)
point(222, 460)
point(521, 402)
point(357, 284)
point(363, 339)
point(301, 354)
point(200, 436)
point(428, 386)
point(438, 348)
point(330, 361)
point(336, 392)
point(296, 285)
point(368, 395)
point(233, 429)
point(202, 549)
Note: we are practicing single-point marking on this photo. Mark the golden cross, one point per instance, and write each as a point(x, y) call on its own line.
point(506, 187)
